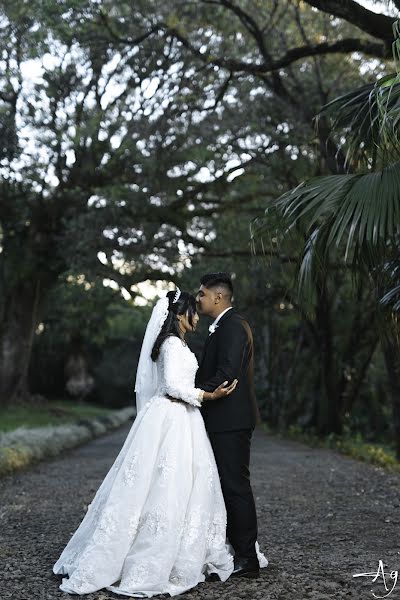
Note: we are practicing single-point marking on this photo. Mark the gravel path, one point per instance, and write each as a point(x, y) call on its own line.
point(322, 518)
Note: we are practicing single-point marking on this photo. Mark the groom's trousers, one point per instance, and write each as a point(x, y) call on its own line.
point(232, 455)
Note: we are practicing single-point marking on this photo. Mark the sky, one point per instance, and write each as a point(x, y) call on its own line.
point(378, 7)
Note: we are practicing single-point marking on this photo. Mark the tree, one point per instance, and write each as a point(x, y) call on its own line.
point(88, 161)
point(153, 124)
point(94, 323)
point(354, 217)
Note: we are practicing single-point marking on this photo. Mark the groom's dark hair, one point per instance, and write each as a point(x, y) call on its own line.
point(221, 279)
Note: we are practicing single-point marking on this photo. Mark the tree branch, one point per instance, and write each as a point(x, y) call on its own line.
point(127, 280)
point(121, 40)
point(344, 46)
point(378, 25)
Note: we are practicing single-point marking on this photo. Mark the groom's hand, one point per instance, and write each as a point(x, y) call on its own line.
point(173, 399)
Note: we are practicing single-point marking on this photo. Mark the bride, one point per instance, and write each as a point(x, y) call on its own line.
point(157, 523)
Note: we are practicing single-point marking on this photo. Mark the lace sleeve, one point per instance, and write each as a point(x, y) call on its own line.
point(176, 384)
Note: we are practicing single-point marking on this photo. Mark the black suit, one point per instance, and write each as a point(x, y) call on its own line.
point(228, 355)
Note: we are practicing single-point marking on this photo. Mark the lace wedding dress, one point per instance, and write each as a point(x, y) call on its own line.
point(157, 523)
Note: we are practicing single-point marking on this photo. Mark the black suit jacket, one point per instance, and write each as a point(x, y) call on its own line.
point(228, 355)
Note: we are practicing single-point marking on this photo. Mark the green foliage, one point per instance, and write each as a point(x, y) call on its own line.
point(353, 215)
point(348, 218)
point(90, 311)
point(96, 322)
point(370, 117)
point(43, 413)
point(362, 210)
point(150, 137)
point(350, 445)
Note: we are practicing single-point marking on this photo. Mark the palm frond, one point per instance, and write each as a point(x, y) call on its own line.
point(368, 118)
point(391, 295)
point(392, 271)
point(306, 267)
point(352, 215)
point(396, 44)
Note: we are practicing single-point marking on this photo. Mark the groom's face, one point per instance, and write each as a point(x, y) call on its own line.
point(205, 300)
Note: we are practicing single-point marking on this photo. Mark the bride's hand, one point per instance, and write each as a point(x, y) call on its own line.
point(224, 389)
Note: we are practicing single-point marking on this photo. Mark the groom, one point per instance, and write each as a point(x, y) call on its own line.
point(230, 421)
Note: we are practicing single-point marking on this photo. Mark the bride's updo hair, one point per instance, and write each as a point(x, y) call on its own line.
point(186, 303)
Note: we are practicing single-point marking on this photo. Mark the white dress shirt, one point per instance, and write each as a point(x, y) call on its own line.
point(214, 325)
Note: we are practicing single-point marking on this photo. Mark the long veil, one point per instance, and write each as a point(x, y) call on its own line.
point(146, 375)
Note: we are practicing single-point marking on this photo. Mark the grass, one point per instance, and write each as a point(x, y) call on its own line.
point(44, 413)
point(24, 446)
point(380, 454)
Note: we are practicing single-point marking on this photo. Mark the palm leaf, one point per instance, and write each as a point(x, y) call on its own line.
point(307, 266)
point(359, 212)
point(392, 294)
point(369, 118)
point(392, 271)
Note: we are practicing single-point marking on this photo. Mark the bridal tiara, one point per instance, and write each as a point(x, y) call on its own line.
point(177, 295)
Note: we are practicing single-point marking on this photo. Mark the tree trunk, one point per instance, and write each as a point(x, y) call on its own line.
point(351, 391)
point(392, 360)
point(19, 320)
point(328, 417)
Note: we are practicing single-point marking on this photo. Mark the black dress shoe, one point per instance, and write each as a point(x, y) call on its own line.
point(212, 577)
point(246, 568)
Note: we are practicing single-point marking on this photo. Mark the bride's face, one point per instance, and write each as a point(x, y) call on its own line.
point(185, 324)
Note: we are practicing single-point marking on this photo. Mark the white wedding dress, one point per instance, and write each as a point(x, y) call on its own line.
point(157, 523)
